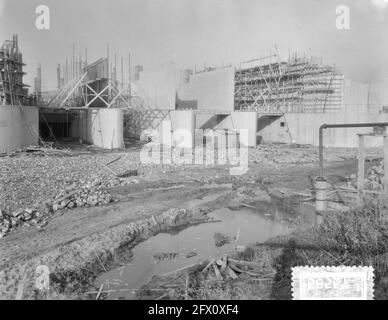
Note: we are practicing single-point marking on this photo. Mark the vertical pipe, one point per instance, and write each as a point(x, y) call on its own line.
point(115, 78)
point(122, 73)
point(361, 164)
point(67, 71)
point(39, 82)
point(108, 71)
point(129, 76)
point(321, 151)
point(73, 62)
point(59, 77)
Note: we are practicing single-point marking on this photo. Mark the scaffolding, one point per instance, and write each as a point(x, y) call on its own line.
point(270, 86)
point(12, 89)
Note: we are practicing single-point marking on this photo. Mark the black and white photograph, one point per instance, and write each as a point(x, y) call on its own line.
point(193, 153)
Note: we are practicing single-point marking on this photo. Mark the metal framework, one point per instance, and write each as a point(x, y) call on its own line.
point(299, 85)
point(12, 89)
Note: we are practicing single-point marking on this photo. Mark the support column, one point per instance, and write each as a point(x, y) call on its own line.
point(183, 128)
point(361, 165)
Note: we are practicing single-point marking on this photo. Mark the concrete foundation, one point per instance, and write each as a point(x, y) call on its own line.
point(101, 127)
point(303, 128)
point(19, 127)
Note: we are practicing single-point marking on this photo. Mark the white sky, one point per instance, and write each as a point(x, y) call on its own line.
point(192, 32)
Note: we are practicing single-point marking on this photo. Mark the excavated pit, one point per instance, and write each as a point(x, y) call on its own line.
point(170, 251)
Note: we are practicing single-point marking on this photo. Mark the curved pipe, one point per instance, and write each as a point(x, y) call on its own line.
point(343, 125)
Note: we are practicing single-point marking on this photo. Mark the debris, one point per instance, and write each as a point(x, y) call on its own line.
point(232, 268)
point(113, 161)
point(217, 272)
point(128, 173)
point(191, 254)
point(221, 239)
point(166, 256)
point(208, 265)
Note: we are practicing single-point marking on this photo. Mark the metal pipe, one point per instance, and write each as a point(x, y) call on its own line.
point(342, 125)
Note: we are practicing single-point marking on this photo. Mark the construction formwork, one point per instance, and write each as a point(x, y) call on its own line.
point(270, 86)
point(12, 89)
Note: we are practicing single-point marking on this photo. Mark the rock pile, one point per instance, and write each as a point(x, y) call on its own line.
point(85, 197)
point(373, 178)
point(39, 216)
point(21, 217)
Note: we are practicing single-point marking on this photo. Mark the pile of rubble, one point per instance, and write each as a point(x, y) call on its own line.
point(84, 197)
point(229, 268)
point(39, 216)
point(296, 153)
point(21, 217)
point(373, 178)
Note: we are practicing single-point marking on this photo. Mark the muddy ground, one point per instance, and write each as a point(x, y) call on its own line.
point(79, 244)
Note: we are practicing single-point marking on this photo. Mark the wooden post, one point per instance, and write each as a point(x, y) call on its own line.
point(386, 163)
point(361, 164)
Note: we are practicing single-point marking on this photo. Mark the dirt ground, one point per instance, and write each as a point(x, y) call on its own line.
point(80, 243)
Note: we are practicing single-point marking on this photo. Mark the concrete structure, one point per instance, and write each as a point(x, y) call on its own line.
point(159, 126)
point(233, 121)
point(157, 86)
point(19, 127)
point(101, 127)
point(212, 90)
point(303, 128)
point(183, 127)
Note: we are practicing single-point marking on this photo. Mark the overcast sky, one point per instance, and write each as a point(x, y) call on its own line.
point(191, 32)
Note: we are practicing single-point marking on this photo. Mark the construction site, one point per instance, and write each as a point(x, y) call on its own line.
point(78, 197)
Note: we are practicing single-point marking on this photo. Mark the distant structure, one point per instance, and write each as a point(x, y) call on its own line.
point(268, 85)
point(12, 89)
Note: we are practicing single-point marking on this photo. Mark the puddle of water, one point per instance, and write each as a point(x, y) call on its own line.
point(253, 226)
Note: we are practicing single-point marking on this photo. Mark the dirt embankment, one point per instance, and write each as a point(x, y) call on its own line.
point(81, 245)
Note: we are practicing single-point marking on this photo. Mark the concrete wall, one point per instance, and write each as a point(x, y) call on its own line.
point(19, 127)
point(365, 97)
point(157, 86)
point(378, 96)
point(158, 126)
point(213, 90)
point(137, 123)
point(101, 127)
point(303, 128)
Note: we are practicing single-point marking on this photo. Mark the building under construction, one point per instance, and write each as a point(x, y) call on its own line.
point(299, 85)
point(274, 100)
point(12, 89)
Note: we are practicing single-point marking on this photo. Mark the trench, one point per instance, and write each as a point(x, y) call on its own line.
point(167, 252)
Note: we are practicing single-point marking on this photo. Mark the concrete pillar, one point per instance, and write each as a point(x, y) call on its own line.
point(183, 128)
point(103, 128)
